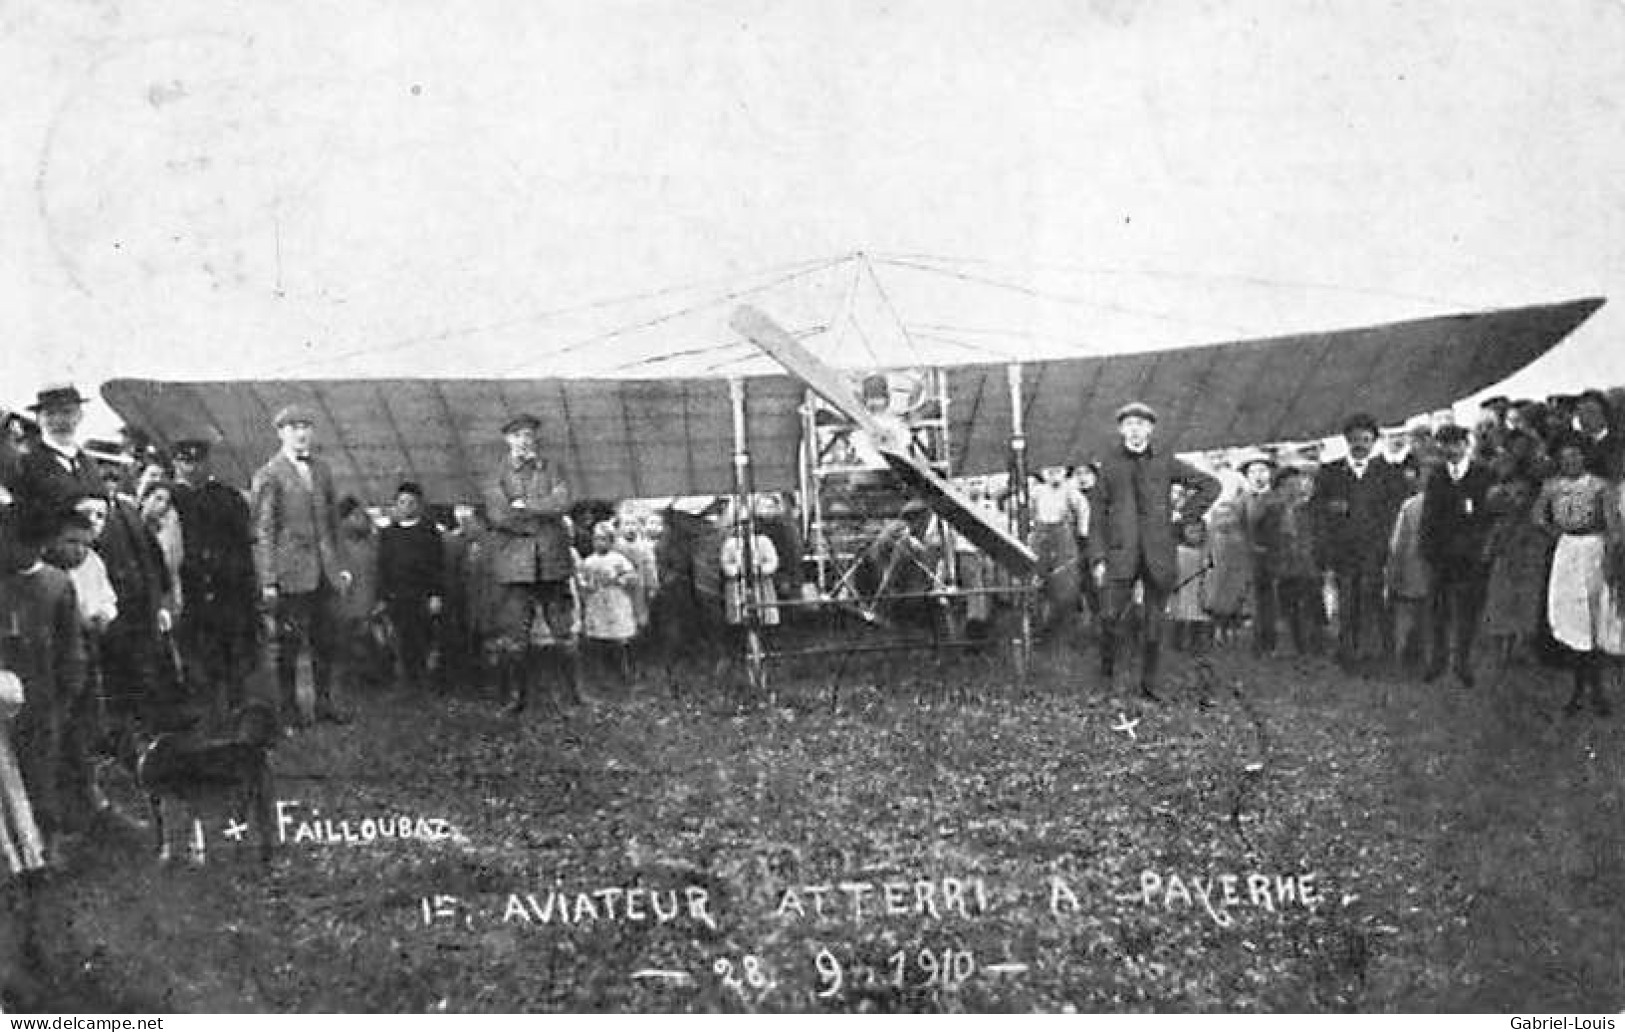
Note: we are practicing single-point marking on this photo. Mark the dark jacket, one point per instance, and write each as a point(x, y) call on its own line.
point(217, 569)
point(135, 568)
point(529, 544)
point(44, 484)
point(1456, 522)
point(1355, 515)
point(411, 563)
point(1602, 456)
point(1130, 527)
point(1285, 538)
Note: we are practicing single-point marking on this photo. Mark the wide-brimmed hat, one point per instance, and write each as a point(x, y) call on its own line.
point(57, 395)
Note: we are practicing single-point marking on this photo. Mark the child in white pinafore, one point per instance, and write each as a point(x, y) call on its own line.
point(607, 580)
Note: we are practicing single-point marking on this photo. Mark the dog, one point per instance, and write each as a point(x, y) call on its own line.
point(223, 778)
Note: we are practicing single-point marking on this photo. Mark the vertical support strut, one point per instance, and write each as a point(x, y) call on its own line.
point(745, 524)
point(945, 461)
point(812, 492)
point(1023, 500)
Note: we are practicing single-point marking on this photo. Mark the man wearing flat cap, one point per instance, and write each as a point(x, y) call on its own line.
point(1257, 471)
point(527, 502)
point(1132, 535)
point(217, 577)
point(296, 557)
point(1456, 522)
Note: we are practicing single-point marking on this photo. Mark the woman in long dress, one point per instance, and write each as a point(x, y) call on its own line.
point(1518, 553)
point(1579, 509)
point(1230, 582)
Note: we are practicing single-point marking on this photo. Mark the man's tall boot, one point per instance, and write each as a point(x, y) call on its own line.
point(1151, 657)
point(1109, 631)
point(286, 661)
point(570, 674)
point(515, 678)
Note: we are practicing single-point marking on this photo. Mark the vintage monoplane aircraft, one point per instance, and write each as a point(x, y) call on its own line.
point(734, 428)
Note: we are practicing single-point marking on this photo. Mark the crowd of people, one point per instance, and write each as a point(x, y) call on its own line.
point(146, 596)
point(141, 596)
point(1404, 554)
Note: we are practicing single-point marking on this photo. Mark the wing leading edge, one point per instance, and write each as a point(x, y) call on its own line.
point(662, 437)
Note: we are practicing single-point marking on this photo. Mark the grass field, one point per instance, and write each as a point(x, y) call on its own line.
point(1465, 849)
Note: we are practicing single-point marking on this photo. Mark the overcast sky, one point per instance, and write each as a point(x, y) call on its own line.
point(207, 189)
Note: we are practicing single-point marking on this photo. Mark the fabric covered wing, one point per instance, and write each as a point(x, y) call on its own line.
point(1286, 388)
point(655, 438)
point(614, 438)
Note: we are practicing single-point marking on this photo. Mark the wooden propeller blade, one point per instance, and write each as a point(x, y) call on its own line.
point(945, 500)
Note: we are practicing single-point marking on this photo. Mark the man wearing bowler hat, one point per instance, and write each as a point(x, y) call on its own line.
point(217, 577)
point(295, 521)
point(527, 502)
point(1356, 501)
point(56, 470)
point(1132, 535)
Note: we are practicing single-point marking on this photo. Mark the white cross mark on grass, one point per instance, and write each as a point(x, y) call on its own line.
point(1127, 726)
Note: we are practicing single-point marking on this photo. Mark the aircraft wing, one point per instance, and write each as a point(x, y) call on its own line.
point(1289, 388)
point(662, 437)
point(613, 438)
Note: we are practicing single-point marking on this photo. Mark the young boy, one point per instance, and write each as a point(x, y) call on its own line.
point(1287, 532)
point(41, 642)
point(361, 647)
point(1187, 606)
point(72, 550)
point(411, 580)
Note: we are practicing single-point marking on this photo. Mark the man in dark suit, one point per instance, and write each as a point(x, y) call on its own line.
point(56, 469)
point(526, 502)
point(1131, 534)
point(296, 558)
point(137, 684)
point(1455, 523)
point(138, 676)
point(1355, 502)
point(217, 629)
